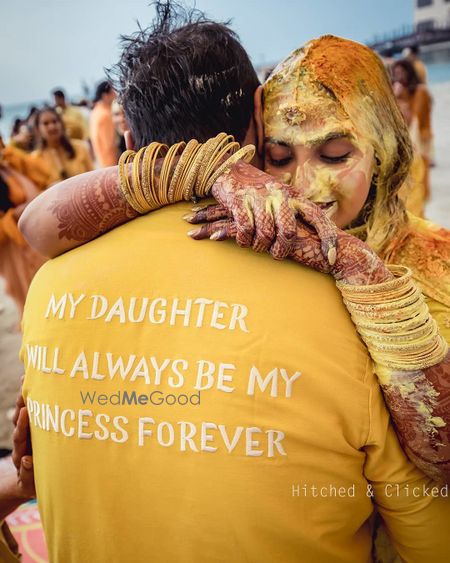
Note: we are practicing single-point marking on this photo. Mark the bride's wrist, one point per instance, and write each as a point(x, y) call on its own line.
point(357, 264)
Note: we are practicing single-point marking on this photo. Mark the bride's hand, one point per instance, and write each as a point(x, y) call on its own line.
point(268, 216)
point(261, 213)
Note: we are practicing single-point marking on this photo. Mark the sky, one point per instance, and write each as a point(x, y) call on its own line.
point(60, 43)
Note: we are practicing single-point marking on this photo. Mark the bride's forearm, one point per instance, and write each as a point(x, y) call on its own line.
point(86, 206)
point(75, 211)
point(412, 363)
point(419, 406)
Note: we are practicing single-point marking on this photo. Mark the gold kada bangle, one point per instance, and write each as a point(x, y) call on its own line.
point(395, 323)
point(187, 171)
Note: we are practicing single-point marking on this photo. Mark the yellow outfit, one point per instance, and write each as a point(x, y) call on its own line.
point(288, 404)
point(413, 190)
point(425, 248)
point(18, 261)
point(58, 162)
point(33, 167)
point(421, 70)
point(74, 122)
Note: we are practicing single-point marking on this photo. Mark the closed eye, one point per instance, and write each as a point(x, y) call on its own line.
point(280, 162)
point(335, 159)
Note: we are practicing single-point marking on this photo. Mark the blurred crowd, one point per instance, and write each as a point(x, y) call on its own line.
point(70, 138)
point(409, 82)
point(52, 143)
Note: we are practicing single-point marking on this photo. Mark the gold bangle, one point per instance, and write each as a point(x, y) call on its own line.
point(391, 287)
point(224, 144)
point(411, 334)
point(188, 165)
point(190, 178)
point(393, 320)
point(176, 174)
point(154, 180)
point(139, 197)
point(209, 149)
point(392, 327)
point(245, 153)
point(146, 180)
point(194, 174)
point(175, 190)
point(411, 296)
point(436, 355)
point(125, 159)
point(166, 171)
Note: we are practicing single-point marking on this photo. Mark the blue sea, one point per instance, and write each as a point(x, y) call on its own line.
point(437, 72)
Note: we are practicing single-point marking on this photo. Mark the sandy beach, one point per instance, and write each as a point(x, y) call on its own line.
point(438, 208)
point(11, 369)
point(438, 211)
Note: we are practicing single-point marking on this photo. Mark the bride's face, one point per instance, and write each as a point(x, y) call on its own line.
point(313, 144)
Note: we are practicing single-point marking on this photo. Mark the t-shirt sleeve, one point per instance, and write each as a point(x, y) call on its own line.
point(415, 509)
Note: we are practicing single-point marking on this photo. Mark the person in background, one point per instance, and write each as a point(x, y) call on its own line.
point(64, 157)
point(415, 103)
point(411, 54)
point(120, 125)
point(21, 136)
point(74, 122)
point(21, 179)
point(102, 134)
point(16, 483)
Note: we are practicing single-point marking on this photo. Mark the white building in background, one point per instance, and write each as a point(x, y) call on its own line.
point(431, 13)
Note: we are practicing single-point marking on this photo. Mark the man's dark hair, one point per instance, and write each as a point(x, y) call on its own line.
point(103, 87)
point(184, 77)
point(59, 94)
point(412, 77)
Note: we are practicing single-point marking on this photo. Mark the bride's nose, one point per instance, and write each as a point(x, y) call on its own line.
point(304, 179)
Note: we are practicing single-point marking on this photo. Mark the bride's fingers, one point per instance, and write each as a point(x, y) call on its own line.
point(264, 227)
point(286, 231)
point(243, 213)
point(322, 224)
point(219, 230)
point(210, 213)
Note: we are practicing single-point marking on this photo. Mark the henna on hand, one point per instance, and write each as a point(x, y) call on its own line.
point(268, 216)
point(75, 211)
point(357, 263)
point(93, 208)
point(419, 403)
point(265, 212)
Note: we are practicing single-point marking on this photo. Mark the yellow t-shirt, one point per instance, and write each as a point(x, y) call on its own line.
point(197, 402)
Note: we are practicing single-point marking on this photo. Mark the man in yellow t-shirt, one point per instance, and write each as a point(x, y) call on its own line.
point(180, 413)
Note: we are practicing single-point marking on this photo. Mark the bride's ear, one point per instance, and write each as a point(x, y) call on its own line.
point(258, 116)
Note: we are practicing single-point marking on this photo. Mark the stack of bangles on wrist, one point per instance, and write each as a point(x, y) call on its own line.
point(198, 167)
point(395, 323)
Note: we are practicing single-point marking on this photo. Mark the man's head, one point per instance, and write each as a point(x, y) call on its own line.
point(104, 93)
point(59, 98)
point(185, 77)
